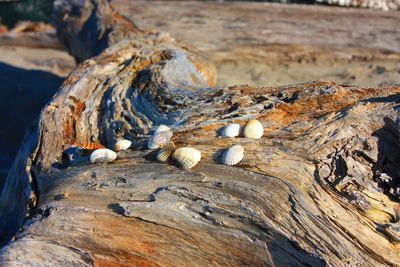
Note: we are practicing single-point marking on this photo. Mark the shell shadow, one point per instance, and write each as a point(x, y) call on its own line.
point(218, 132)
point(72, 157)
point(216, 156)
point(115, 207)
point(152, 155)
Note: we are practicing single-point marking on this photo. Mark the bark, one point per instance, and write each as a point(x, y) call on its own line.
point(320, 188)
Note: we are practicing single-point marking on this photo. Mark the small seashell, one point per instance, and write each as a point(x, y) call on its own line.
point(102, 155)
point(161, 128)
point(159, 139)
point(187, 157)
point(165, 152)
point(232, 130)
point(253, 129)
point(91, 146)
point(87, 148)
point(232, 155)
point(122, 144)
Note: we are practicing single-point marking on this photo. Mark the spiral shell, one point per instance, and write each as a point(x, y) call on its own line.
point(253, 129)
point(161, 128)
point(102, 155)
point(232, 155)
point(165, 152)
point(187, 157)
point(232, 130)
point(122, 144)
point(159, 139)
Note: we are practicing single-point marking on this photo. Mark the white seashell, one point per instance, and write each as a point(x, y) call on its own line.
point(232, 155)
point(161, 128)
point(165, 152)
point(159, 139)
point(122, 144)
point(186, 157)
point(232, 130)
point(102, 155)
point(253, 129)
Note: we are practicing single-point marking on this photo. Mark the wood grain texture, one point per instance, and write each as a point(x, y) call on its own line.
point(319, 188)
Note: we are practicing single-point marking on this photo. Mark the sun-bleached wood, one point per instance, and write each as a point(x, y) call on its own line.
point(319, 188)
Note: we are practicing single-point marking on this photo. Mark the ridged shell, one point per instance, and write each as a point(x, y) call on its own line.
point(122, 144)
point(159, 139)
point(102, 155)
point(232, 155)
point(253, 129)
point(91, 146)
point(165, 152)
point(161, 128)
point(232, 130)
point(187, 157)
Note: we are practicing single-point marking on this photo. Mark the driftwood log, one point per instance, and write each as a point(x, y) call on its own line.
point(320, 188)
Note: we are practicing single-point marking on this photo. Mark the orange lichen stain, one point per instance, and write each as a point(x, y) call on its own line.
point(207, 71)
point(319, 84)
point(194, 78)
point(70, 80)
point(125, 236)
point(213, 127)
point(68, 131)
point(309, 107)
point(78, 106)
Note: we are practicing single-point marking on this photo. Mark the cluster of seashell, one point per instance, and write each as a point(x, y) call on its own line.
point(253, 129)
point(234, 154)
point(186, 157)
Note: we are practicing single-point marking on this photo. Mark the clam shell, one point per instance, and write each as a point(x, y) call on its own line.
point(165, 152)
point(159, 139)
point(161, 128)
point(102, 155)
point(232, 155)
point(253, 129)
point(122, 144)
point(232, 130)
point(187, 157)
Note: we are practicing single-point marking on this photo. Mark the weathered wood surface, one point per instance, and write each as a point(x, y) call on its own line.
point(251, 52)
point(320, 187)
